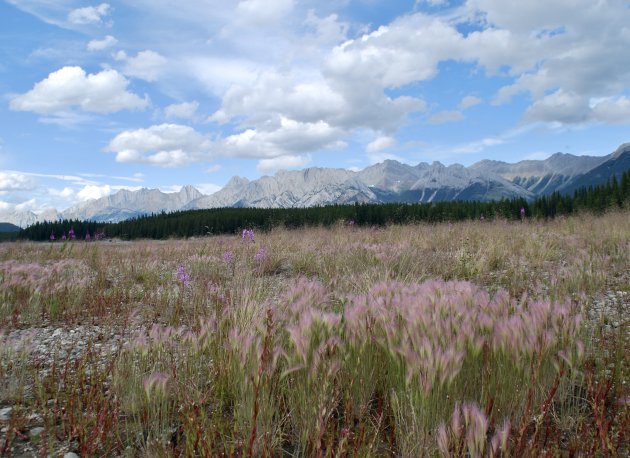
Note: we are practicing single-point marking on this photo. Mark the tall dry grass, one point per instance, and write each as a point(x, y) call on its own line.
point(466, 339)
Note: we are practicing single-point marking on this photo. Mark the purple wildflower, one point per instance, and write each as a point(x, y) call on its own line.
point(87, 236)
point(522, 212)
point(228, 257)
point(261, 255)
point(248, 235)
point(182, 276)
point(63, 236)
point(71, 234)
point(52, 236)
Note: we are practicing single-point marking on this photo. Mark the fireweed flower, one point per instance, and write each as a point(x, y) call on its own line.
point(261, 255)
point(52, 236)
point(182, 276)
point(71, 234)
point(228, 257)
point(248, 235)
point(87, 236)
point(63, 236)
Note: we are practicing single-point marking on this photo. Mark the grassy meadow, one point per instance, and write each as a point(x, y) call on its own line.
point(479, 338)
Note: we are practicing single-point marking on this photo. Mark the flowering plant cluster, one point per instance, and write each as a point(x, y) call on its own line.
point(248, 235)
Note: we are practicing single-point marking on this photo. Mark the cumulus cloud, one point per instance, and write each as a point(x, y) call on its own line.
point(172, 145)
point(99, 45)
point(89, 14)
point(283, 163)
point(399, 53)
point(327, 30)
point(282, 138)
point(614, 110)
point(379, 144)
point(571, 108)
point(165, 145)
point(71, 87)
point(94, 192)
point(15, 181)
point(147, 65)
point(275, 94)
point(184, 110)
point(579, 46)
point(64, 193)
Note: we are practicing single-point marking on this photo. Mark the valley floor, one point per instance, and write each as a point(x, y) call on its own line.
point(482, 338)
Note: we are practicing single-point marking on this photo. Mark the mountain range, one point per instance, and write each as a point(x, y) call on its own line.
point(388, 181)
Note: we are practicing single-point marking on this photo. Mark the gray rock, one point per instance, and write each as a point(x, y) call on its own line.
point(36, 433)
point(71, 455)
point(5, 413)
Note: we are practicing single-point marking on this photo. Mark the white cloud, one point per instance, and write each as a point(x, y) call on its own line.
point(614, 110)
point(407, 50)
point(274, 94)
point(147, 65)
point(327, 30)
point(15, 181)
point(165, 145)
point(28, 205)
point(282, 138)
point(561, 106)
point(571, 108)
point(578, 46)
point(217, 74)
point(469, 101)
point(71, 87)
point(5, 206)
point(446, 116)
point(89, 14)
point(263, 12)
point(283, 163)
point(99, 45)
point(184, 110)
point(65, 193)
point(380, 143)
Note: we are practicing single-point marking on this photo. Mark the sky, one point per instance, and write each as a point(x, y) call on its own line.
point(101, 96)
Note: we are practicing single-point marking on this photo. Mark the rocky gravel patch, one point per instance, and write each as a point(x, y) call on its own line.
point(40, 348)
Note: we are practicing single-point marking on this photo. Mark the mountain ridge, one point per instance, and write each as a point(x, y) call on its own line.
point(387, 181)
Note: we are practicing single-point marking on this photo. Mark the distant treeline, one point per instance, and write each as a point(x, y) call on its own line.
point(192, 223)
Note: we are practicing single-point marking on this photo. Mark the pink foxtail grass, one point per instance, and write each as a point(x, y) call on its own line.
point(470, 339)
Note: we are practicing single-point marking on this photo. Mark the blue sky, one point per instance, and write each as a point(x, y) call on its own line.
point(99, 96)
